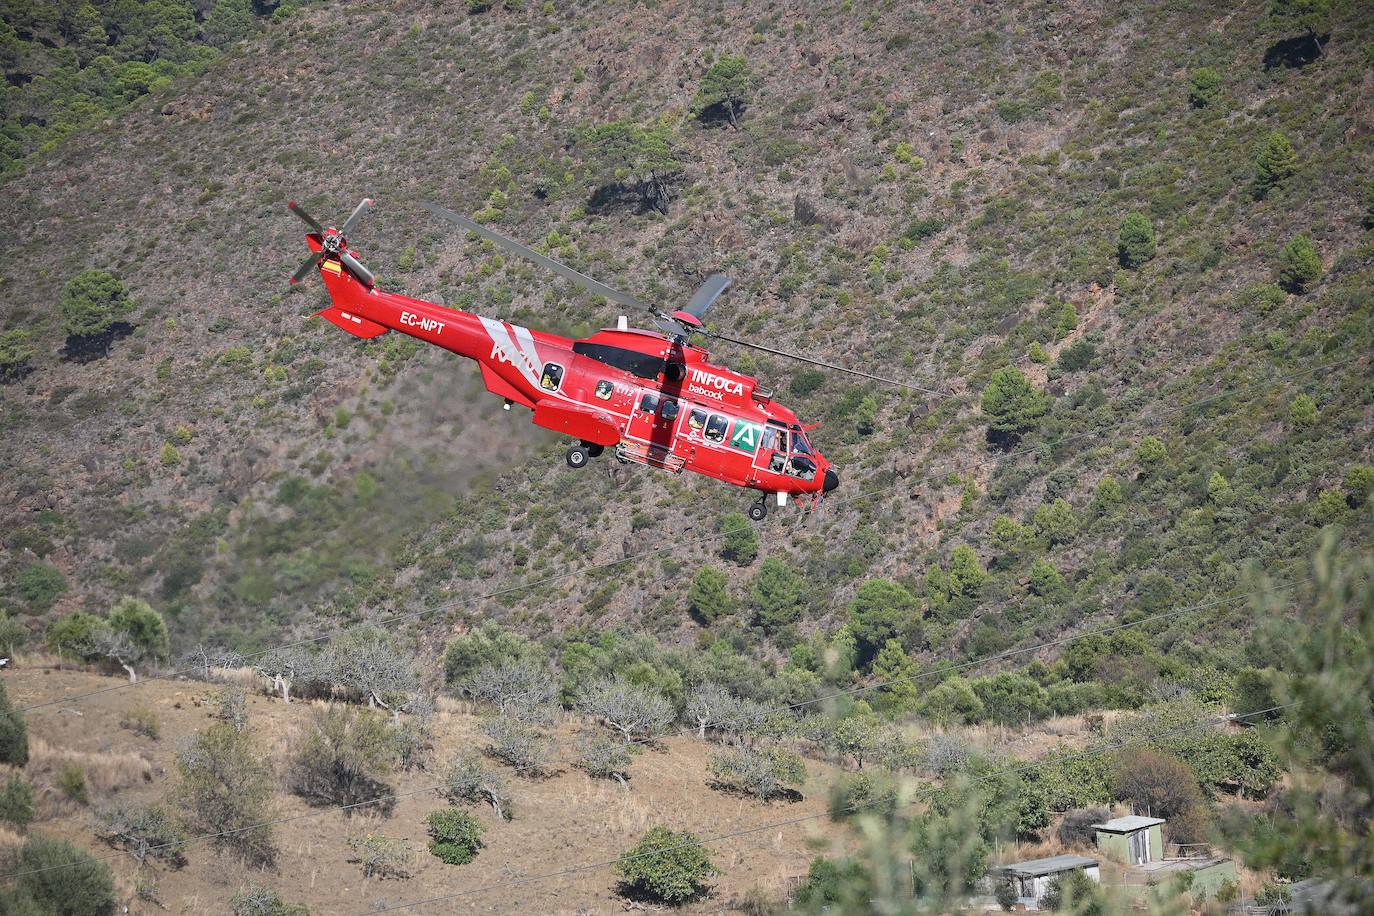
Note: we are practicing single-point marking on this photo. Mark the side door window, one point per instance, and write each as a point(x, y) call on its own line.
point(715, 428)
point(552, 379)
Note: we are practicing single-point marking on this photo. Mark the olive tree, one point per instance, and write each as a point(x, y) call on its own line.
point(368, 660)
point(519, 744)
point(343, 758)
point(603, 757)
point(638, 713)
point(523, 688)
point(287, 666)
point(467, 779)
point(765, 774)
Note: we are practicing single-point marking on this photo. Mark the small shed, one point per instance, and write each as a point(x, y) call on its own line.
point(1032, 879)
point(1133, 839)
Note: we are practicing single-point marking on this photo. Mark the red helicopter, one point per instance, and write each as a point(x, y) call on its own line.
point(649, 394)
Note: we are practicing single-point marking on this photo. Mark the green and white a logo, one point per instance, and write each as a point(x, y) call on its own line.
point(746, 436)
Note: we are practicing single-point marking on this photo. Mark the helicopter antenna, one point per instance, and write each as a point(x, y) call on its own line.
point(677, 325)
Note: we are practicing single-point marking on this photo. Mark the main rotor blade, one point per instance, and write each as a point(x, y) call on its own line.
point(357, 212)
point(706, 295)
point(825, 365)
point(309, 220)
point(362, 273)
point(306, 265)
point(548, 263)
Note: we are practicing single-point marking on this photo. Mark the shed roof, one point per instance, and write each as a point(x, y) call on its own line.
point(1035, 868)
point(1128, 824)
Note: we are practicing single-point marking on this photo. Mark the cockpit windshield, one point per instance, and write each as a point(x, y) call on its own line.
point(799, 444)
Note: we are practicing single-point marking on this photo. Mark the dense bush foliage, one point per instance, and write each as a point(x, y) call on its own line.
point(454, 836)
point(666, 865)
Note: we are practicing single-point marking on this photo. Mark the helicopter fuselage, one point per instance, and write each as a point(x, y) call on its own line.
point(653, 399)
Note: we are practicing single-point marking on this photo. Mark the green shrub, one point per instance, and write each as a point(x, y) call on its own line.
point(1299, 264)
point(14, 733)
point(740, 543)
point(1358, 484)
point(487, 645)
point(1275, 163)
point(623, 157)
point(1012, 406)
point(454, 836)
point(72, 636)
point(16, 801)
point(1055, 522)
point(225, 789)
point(1303, 411)
point(15, 354)
point(1011, 699)
point(343, 759)
point(765, 774)
point(1136, 243)
point(1204, 87)
point(1368, 220)
point(883, 610)
point(71, 782)
point(708, 597)
point(776, 595)
point(952, 702)
point(666, 865)
point(1150, 454)
point(39, 585)
point(966, 572)
point(63, 878)
point(1265, 298)
point(92, 302)
point(1045, 580)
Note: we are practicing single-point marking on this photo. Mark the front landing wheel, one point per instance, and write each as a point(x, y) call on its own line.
point(578, 457)
point(758, 510)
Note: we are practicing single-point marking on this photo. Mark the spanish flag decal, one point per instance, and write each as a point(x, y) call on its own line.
point(334, 267)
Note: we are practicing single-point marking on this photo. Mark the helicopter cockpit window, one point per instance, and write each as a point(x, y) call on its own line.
point(604, 389)
point(715, 428)
point(552, 377)
point(668, 410)
point(648, 403)
point(799, 443)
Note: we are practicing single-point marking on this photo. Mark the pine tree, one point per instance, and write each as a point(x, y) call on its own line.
point(1136, 244)
point(1299, 264)
point(1275, 163)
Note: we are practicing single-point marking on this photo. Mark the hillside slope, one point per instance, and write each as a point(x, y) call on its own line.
point(969, 174)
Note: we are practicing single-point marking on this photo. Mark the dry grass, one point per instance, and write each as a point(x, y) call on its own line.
point(105, 772)
point(10, 839)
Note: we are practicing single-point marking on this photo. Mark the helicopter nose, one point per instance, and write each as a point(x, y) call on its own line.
point(832, 480)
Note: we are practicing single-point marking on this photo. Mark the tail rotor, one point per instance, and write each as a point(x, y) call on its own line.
point(333, 244)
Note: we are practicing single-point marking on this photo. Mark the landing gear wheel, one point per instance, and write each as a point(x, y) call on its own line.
point(578, 457)
point(595, 450)
point(758, 510)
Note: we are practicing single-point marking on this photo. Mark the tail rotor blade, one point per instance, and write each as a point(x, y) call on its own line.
point(824, 365)
point(563, 270)
point(362, 273)
point(306, 266)
point(357, 212)
point(309, 220)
